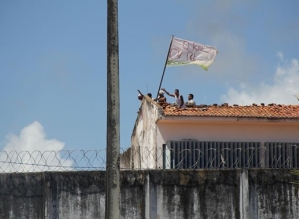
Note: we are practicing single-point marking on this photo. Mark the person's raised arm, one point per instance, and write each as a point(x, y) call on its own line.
point(172, 95)
point(140, 92)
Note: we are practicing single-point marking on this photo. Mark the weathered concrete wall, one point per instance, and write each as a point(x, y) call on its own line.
point(254, 194)
point(143, 151)
point(271, 194)
point(194, 194)
point(74, 195)
point(234, 194)
point(21, 196)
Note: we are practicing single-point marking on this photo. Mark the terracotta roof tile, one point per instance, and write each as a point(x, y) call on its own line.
point(272, 111)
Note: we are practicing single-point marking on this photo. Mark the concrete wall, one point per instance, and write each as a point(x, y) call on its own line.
point(217, 194)
point(21, 196)
point(143, 151)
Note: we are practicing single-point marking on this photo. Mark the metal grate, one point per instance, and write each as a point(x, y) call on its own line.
point(281, 155)
point(203, 154)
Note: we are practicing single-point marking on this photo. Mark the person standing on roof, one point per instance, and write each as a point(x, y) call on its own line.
point(179, 99)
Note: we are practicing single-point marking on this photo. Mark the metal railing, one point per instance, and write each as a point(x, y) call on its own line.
point(198, 155)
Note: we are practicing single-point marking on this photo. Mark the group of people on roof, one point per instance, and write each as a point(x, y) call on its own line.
point(179, 99)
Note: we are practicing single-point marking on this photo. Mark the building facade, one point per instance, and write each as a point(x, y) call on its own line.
point(215, 136)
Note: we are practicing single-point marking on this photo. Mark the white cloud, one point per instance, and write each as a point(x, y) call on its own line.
point(32, 152)
point(283, 87)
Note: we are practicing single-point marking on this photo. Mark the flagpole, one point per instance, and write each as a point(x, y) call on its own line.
point(164, 66)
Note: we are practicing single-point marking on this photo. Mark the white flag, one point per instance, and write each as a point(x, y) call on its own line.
point(184, 52)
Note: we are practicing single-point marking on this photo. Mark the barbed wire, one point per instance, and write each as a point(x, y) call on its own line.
point(142, 158)
point(185, 161)
point(63, 160)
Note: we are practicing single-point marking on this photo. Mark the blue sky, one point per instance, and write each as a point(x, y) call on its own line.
point(53, 63)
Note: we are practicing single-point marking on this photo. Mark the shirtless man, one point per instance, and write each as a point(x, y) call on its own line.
point(161, 98)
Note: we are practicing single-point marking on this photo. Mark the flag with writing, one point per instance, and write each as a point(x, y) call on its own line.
point(184, 52)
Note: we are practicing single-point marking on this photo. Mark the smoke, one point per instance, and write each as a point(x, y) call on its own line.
point(32, 152)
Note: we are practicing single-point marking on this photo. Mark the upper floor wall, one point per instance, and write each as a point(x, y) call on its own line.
point(227, 130)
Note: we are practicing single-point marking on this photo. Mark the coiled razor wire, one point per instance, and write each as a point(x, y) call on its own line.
point(141, 158)
point(64, 160)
